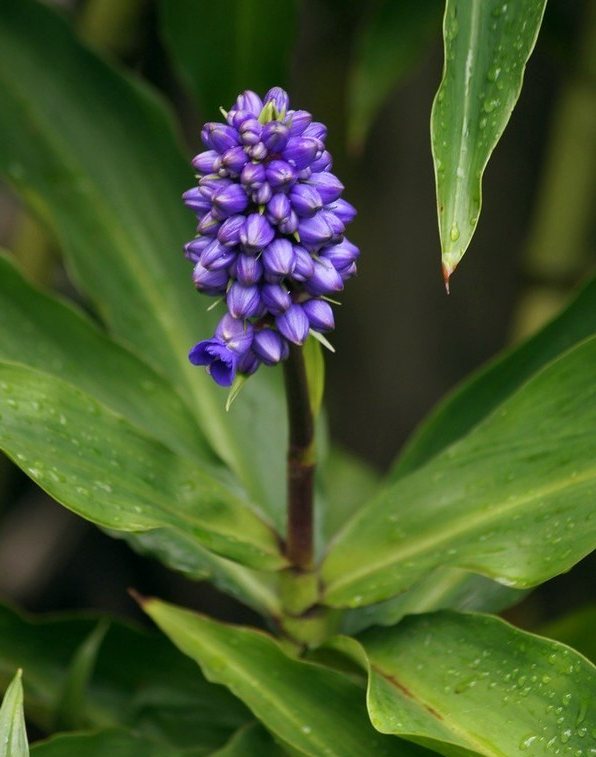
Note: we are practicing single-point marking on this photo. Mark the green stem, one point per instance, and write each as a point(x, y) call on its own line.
point(301, 463)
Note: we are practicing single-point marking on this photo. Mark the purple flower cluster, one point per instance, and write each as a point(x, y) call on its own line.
point(270, 237)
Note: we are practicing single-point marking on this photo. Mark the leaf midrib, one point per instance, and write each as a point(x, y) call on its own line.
point(412, 549)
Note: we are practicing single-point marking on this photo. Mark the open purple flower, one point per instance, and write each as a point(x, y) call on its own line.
point(270, 241)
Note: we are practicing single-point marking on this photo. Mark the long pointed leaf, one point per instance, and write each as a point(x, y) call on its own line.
point(101, 744)
point(313, 709)
point(95, 154)
point(109, 472)
point(512, 500)
point(487, 46)
point(471, 684)
point(13, 736)
point(44, 333)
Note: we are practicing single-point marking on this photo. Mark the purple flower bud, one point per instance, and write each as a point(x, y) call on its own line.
point(237, 116)
point(250, 131)
point(248, 269)
point(248, 363)
point(343, 210)
point(204, 162)
point(249, 101)
point(301, 151)
point(216, 256)
point(194, 200)
point(270, 346)
point(243, 301)
point(278, 258)
point(319, 314)
point(322, 164)
point(315, 232)
point(279, 98)
point(341, 256)
point(258, 151)
point(209, 282)
point(220, 361)
point(193, 250)
point(305, 266)
point(234, 160)
point(275, 136)
point(327, 185)
point(253, 175)
point(209, 226)
point(280, 174)
point(263, 195)
point(349, 272)
point(278, 209)
point(297, 121)
point(210, 185)
point(316, 130)
point(335, 224)
point(257, 233)
point(325, 279)
point(293, 324)
point(229, 201)
point(237, 335)
point(276, 298)
point(228, 233)
point(219, 137)
point(290, 224)
point(305, 200)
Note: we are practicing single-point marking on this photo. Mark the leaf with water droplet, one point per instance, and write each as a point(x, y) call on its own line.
point(487, 46)
point(467, 702)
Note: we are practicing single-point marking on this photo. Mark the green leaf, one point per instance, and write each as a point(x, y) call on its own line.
point(70, 711)
point(470, 403)
point(487, 46)
point(512, 500)
point(471, 684)
point(45, 333)
point(13, 736)
point(576, 630)
point(313, 709)
point(244, 44)
point(101, 744)
point(106, 470)
point(314, 363)
point(140, 681)
point(94, 153)
point(444, 589)
point(388, 45)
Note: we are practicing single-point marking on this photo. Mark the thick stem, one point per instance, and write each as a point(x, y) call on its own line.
point(301, 463)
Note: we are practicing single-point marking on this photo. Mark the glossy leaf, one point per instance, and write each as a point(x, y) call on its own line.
point(100, 744)
point(106, 470)
point(487, 45)
point(471, 684)
point(313, 709)
point(478, 396)
point(576, 630)
point(140, 681)
point(13, 736)
point(512, 500)
point(50, 335)
point(222, 49)
point(444, 589)
point(390, 42)
point(94, 153)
